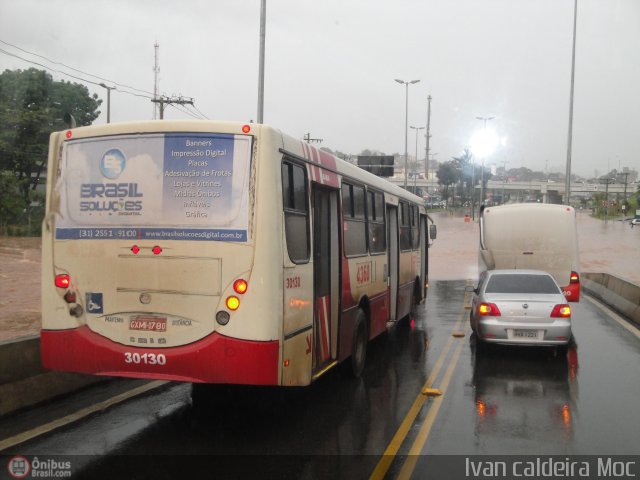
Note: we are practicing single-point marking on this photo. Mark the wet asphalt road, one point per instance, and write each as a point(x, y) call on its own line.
point(500, 401)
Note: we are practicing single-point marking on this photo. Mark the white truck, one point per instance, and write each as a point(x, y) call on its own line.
point(532, 236)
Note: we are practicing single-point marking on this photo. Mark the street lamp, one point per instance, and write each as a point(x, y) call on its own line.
point(108, 101)
point(485, 143)
point(406, 124)
point(415, 170)
point(567, 180)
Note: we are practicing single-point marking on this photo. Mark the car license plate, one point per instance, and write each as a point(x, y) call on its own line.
point(148, 323)
point(529, 334)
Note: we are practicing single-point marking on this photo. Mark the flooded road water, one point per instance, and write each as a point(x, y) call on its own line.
point(528, 403)
point(19, 287)
point(612, 247)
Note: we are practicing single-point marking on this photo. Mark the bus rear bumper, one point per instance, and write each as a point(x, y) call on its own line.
point(214, 359)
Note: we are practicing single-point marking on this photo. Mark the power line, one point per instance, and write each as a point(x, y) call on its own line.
point(171, 101)
point(202, 114)
point(68, 74)
point(121, 85)
point(185, 111)
point(148, 95)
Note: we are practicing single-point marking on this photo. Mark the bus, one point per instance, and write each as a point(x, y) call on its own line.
point(222, 253)
point(534, 236)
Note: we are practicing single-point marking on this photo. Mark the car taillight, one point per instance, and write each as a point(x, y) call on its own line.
point(62, 281)
point(488, 310)
point(561, 311)
point(575, 278)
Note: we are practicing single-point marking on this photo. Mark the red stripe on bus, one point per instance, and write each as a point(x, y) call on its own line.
point(214, 359)
point(314, 154)
point(327, 160)
point(305, 150)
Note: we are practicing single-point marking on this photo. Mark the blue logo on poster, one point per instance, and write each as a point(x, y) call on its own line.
point(94, 303)
point(112, 163)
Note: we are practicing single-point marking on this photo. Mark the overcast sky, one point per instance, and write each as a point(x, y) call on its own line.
point(331, 65)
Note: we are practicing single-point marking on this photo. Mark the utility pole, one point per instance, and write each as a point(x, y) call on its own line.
point(171, 101)
point(308, 139)
point(108, 100)
point(263, 16)
point(428, 135)
point(156, 72)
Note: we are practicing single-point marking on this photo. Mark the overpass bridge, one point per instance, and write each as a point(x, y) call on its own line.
point(544, 187)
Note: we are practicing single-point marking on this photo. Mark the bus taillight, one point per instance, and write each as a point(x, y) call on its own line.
point(156, 250)
point(63, 280)
point(233, 303)
point(246, 129)
point(240, 286)
point(135, 249)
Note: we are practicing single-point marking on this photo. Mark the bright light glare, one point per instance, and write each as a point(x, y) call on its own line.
point(484, 142)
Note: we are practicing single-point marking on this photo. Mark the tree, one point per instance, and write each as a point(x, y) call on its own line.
point(448, 174)
point(32, 106)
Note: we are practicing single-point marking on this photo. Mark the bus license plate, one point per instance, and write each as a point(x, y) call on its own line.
point(525, 334)
point(148, 323)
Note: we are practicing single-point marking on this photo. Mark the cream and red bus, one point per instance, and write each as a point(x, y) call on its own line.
point(535, 236)
point(214, 252)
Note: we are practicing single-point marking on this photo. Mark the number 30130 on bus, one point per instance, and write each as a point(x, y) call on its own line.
point(295, 261)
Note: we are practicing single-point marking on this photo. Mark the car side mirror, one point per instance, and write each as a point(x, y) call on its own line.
point(471, 289)
point(433, 232)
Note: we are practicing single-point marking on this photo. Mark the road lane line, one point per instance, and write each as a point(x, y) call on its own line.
point(401, 434)
point(80, 414)
point(614, 316)
point(414, 453)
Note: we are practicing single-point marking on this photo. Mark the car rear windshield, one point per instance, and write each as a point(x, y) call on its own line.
point(521, 283)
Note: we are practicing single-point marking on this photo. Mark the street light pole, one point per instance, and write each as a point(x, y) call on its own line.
point(406, 124)
point(108, 100)
point(567, 180)
point(426, 148)
point(415, 170)
point(484, 119)
point(263, 16)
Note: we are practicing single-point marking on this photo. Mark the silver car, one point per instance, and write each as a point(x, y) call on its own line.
point(524, 307)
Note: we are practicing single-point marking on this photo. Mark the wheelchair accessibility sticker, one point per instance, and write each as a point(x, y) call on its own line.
point(94, 303)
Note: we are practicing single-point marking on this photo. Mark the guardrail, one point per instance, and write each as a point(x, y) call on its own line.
point(25, 383)
point(620, 295)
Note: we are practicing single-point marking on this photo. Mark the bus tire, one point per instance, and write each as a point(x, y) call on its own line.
point(359, 345)
point(417, 292)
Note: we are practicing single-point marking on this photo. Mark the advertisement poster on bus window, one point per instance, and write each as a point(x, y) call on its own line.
point(174, 186)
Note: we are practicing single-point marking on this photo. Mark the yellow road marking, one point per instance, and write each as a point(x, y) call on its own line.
point(414, 453)
point(74, 417)
point(396, 442)
point(614, 316)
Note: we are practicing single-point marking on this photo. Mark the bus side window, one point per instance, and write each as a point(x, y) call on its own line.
point(353, 213)
point(375, 218)
point(415, 228)
point(405, 227)
point(296, 211)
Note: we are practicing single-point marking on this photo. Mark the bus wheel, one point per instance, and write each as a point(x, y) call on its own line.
point(359, 349)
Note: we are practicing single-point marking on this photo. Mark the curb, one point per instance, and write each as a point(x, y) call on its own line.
point(25, 383)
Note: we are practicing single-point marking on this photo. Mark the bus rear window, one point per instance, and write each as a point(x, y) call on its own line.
point(174, 186)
